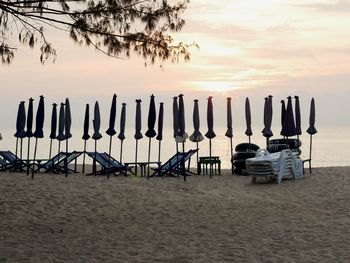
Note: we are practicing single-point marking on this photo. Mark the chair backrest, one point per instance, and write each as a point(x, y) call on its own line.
point(110, 160)
point(101, 159)
point(9, 156)
point(174, 161)
point(54, 160)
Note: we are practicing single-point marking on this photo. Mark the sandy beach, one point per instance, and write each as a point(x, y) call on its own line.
point(128, 219)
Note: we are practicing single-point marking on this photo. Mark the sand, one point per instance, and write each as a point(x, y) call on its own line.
point(223, 219)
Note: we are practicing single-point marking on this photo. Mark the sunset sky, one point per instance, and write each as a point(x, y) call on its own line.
point(247, 48)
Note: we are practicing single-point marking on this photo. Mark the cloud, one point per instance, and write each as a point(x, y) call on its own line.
point(341, 6)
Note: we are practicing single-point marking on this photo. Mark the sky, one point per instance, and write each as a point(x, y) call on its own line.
point(248, 48)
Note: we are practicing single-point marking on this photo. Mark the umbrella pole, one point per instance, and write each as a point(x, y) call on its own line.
point(50, 149)
point(149, 156)
point(183, 147)
point(231, 155)
point(109, 155)
point(298, 143)
point(197, 158)
point(16, 146)
point(267, 142)
point(65, 160)
point(210, 164)
point(159, 148)
point(21, 152)
point(183, 163)
point(28, 155)
point(136, 158)
point(121, 151)
point(35, 147)
point(177, 158)
point(94, 163)
point(310, 152)
point(84, 157)
point(249, 139)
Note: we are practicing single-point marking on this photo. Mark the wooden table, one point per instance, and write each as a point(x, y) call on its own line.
point(213, 162)
point(143, 166)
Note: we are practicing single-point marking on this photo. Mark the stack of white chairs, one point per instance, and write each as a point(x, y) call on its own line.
point(279, 165)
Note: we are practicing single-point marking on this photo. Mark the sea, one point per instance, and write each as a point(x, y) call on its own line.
point(329, 145)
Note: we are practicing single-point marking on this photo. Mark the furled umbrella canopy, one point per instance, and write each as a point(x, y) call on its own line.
point(68, 120)
point(53, 131)
point(151, 121)
point(160, 122)
point(96, 123)
point(210, 119)
point(248, 118)
point(21, 121)
point(196, 135)
point(61, 122)
point(297, 116)
point(113, 112)
point(181, 135)
point(39, 120)
point(265, 113)
point(289, 124)
point(121, 134)
point(283, 114)
point(138, 125)
point(268, 118)
point(312, 130)
point(175, 117)
point(29, 131)
point(229, 131)
point(86, 135)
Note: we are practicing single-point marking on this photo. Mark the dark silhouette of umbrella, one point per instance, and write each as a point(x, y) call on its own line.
point(248, 119)
point(86, 135)
point(297, 118)
point(311, 130)
point(121, 134)
point(182, 135)
point(176, 123)
point(283, 115)
point(265, 113)
point(29, 131)
point(67, 126)
point(39, 125)
point(20, 125)
point(289, 124)
point(111, 131)
point(267, 133)
point(160, 128)
point(96, 135)
point(196, 135)
point(150, 133)
point(138, 126)
point(53, 134)
point(61, 123)
point(210, 133)
point(229, 131)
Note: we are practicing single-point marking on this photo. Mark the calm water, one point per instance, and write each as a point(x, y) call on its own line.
point(330, 145)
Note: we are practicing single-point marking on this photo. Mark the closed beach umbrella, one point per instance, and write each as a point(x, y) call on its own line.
point(160, 128)
point(150, 133)
point(196, 135)
point(297, 116)
point(29, 131)
point(175, 121)
point(61, 122)
point(53, 130)
point(267, 133)
point(67, 126)
point(96, 135)
point(289, 124)
point(248, 119)
point(121, 134)
point(229, 131)
point(210, 122)
point(20, 125)
point(111, 130)
point(265, 114)
point(181, 135)
point(86, 135)
point(283, 115)
point(311, 130)
point(39, 125)
point(138, 134)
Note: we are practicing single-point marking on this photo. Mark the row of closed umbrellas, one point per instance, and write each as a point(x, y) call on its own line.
point(290, 126)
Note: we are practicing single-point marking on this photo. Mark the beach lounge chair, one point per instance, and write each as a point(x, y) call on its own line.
point(59, 163)
point(108, 164)
point(176, 165)
point(284, 164)
point(11, 162)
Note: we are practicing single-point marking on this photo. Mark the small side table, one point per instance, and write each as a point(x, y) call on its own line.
point(213, 162)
